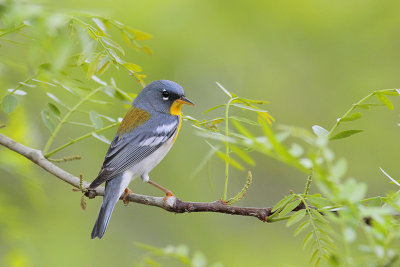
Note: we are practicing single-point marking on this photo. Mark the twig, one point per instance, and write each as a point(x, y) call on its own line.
point(66, 159)
point(308, 184)
point(242, 192)
point(172, 204)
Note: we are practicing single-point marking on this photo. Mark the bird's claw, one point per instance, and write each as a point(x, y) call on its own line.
point(90, 193)
point(168, 195)
point(125, 199)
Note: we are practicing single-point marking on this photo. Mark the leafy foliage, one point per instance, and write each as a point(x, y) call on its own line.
point(70, 51)
point(342, 202)
point(61, 42)
point(178, 253)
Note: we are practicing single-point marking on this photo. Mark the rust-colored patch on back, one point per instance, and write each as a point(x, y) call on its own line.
point(133, 119)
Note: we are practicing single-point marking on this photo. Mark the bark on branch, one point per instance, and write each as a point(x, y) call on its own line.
point(172, 204)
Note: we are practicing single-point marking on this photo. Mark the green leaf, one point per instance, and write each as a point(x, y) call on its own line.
point(110, 91)
point(151, 262)
point(368, 106)
point(103, 65)
point(307, 239)
point(107, 118)
point(250, 108)
point(139, 35)
point(224, 90)
point(101, 138)
point(296, 217)
point(339, 169)
point(126, 37)
point(132, 67)
point(243, 130)
point(385, 101)
point(211, 109)
point(99, 81)
point(100, 102)
point(364, 106)
point(243, 155)
point(345, 134)
point(296, 150)
point(254, 101)
point(92, 67)
point(101, 25)
point(95, 119)
point(315, 256)
point(230, 160)
point(319, 202)
point(47, 120)
point(289, 207)
point(317, 262)
point(55, 98)
point(113, 44)
point(282, 203)
point(114, 56)
point(388, 176)
point(147, 50)
point(279, 148)
point(352, 117)
point(318, 216)
point(320, 131)
point(301, 228)
point(391, 92)
point(199, 260)
point(244, 120)
point(54, 110)
point(9, 103)
point(18, 91)
point(349, 234)
point(352, 191)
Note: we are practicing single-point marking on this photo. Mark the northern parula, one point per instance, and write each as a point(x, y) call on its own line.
point(144, 137)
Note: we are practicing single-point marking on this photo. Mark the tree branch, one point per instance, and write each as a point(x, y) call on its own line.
point(171, 204)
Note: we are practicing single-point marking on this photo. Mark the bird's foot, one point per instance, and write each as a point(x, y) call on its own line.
point(127, 191)
point(168, 194)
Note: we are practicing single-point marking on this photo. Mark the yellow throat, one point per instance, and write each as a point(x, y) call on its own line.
point(176, 107)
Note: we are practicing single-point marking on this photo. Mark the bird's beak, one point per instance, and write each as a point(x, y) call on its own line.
point(184, 100)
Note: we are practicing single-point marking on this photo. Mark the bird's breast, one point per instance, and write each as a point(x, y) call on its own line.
point(143, 167)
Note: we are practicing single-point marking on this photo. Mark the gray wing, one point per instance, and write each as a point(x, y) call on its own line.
point(129, 149)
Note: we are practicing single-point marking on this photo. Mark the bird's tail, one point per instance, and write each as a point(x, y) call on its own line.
point(113, 191)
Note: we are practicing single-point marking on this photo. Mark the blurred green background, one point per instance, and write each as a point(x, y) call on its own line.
point(310, 59)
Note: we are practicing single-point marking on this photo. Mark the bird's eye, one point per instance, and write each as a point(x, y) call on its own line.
point(165, 95)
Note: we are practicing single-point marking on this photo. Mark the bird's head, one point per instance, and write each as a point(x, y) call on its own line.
point(162, 96)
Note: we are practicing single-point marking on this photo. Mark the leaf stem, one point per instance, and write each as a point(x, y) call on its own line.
point(17, 28)
point(271, 220)
point(65, 118)
point(347, 113)
point(312, 223)
point(354, 106)
point(117, 60)
point(227, 148)
point(20, 84)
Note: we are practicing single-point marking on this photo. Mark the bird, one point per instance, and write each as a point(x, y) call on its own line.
point(145, 135)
